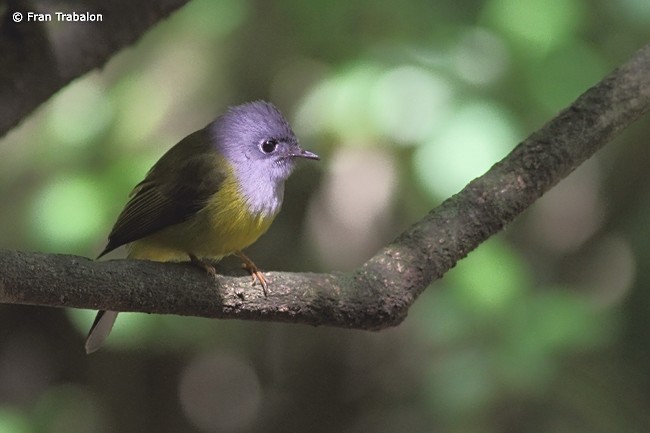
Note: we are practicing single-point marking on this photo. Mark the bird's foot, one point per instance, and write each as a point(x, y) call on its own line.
point(254, 271)
point(203, 265)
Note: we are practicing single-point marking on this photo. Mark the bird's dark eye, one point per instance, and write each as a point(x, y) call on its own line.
point(269, 146)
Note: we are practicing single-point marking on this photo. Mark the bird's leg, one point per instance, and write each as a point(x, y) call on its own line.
point(255, 273)
point(203, 265)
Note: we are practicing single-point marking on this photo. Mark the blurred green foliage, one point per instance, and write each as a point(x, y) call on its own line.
point(542, 329)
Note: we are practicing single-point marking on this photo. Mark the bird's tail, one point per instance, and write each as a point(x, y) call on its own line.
point(99, 331)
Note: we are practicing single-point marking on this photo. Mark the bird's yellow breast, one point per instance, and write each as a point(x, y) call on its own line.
point(223, 226)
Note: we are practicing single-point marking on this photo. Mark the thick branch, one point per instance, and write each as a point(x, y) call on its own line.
point(38, 59)
point(379, 293)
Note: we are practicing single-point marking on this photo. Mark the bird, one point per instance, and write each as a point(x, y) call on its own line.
point(211, 195)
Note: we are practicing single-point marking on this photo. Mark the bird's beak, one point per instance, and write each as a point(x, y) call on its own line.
point(306, 154)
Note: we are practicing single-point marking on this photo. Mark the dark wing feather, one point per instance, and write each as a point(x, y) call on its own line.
point(175, 188)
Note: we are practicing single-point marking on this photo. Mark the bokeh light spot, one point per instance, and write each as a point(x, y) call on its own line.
point(70, 120)
point(540, 24)
point(220, 392)
point(339, 103)
point(213, 18)
point(142, 107)
point(410, 103)
point(68, 409)
point(570, 213)
point(490, 279)
point(480, 57)
point(478, 136)
point(67, 213)
point(461, 382)
point(350, 215)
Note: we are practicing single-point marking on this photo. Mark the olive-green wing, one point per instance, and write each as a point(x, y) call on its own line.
point(175, 188)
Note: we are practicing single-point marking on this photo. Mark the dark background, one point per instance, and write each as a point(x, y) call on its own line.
point(542, 329)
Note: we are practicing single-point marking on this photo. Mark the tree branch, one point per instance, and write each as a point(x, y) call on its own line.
point(380, 292)
point(37, 61)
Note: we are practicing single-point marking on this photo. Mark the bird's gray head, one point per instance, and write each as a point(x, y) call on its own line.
point(257, 136)
point(258, 142)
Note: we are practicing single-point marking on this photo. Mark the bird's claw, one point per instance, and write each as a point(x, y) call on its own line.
point(256, 275)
